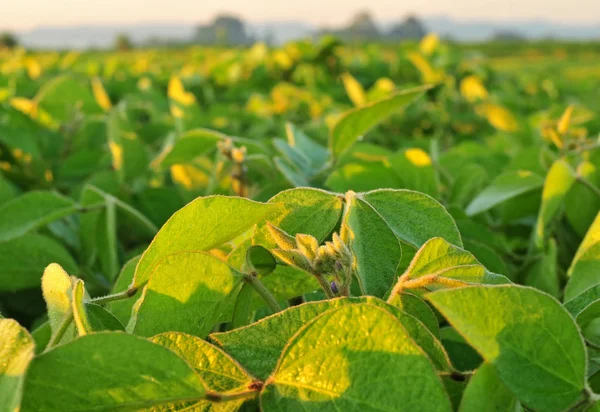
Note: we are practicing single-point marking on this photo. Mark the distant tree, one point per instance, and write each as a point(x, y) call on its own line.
point(410, 29)
point(123, 42)
point(224, 30)
point(8, 41)
point(362, 27)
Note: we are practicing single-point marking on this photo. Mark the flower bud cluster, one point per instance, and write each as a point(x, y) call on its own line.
point(333, 259)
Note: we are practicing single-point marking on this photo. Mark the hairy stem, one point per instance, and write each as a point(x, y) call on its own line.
point(262, 290)
point(324, 285)
point(126, 294)
point(64, 325)
point(422, 282)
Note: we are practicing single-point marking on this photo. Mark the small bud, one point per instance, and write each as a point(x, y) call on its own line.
point(238, 155)
point(293, 258)
point(308, 245)
point(283, 240)
point(334, 288)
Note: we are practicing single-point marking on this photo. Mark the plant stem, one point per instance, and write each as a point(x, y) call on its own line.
point(589, 185)
point(225, 397)
point(64, 325)
point(324, 285)
point(126, 294)
point(421, 282)
point(261, 289)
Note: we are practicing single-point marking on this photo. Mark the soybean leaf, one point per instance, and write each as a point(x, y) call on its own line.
point(415, 170)
point(543, 271)
point(414, 217)
point(581, 203)
point(260, 260)
point(78, 307)
point(187, 292)
point(100, 319)
point(258, 346)
point(16, 351)
point(129, 153)
point(57, 288)
point(203, 224)
point(584, 269)
point(63, 94)
point(330, 364)
point(143, 374)
point(559, 180)
point(309, 211)
point(32, 211)
point(531, 340)
point(439, 258)
point(585, 308)
point(486, 392)
point(463, 357)
point(357, 122)
point(506, 186)
point(23, 260)
point(316, 154)
point(376, 250)
point(188, 146)
point(219, 372)
point(416, 307)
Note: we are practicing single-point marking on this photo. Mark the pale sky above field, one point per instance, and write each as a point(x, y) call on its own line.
point(24, 14)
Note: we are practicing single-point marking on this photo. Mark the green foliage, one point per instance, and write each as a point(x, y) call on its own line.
point(396, 248)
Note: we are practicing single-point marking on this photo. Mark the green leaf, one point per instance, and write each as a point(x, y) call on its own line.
point(258, 346)
point(581, 203)
point(506, 186)
point(584, 269)
point(188, 292)
point(78, 307)
point(16, 351)
point(559, 180)
point(585, 308)
point(260, 260)
point(142, 374)
point(129, 153)
point(190, 145)
point(531, 340)
point(415, 170)
point(355, 123)
point(316, 154)
point(100, 319)
point(243, 310)
point(363, 176)
point(203, 224)
point(414, 217)
point(63, 95)
point(416, 307)
point(218, 370)
point(331, 362)
point(463, 357)
point(543, 273)
point(23, 260)
point(440, 258)
point(121, 309)
point(57, 288)
point(376, 250)
point(31, 211)
point(486, 392)
point(312, 212)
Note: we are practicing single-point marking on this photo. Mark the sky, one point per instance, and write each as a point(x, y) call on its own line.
point(26, 14)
